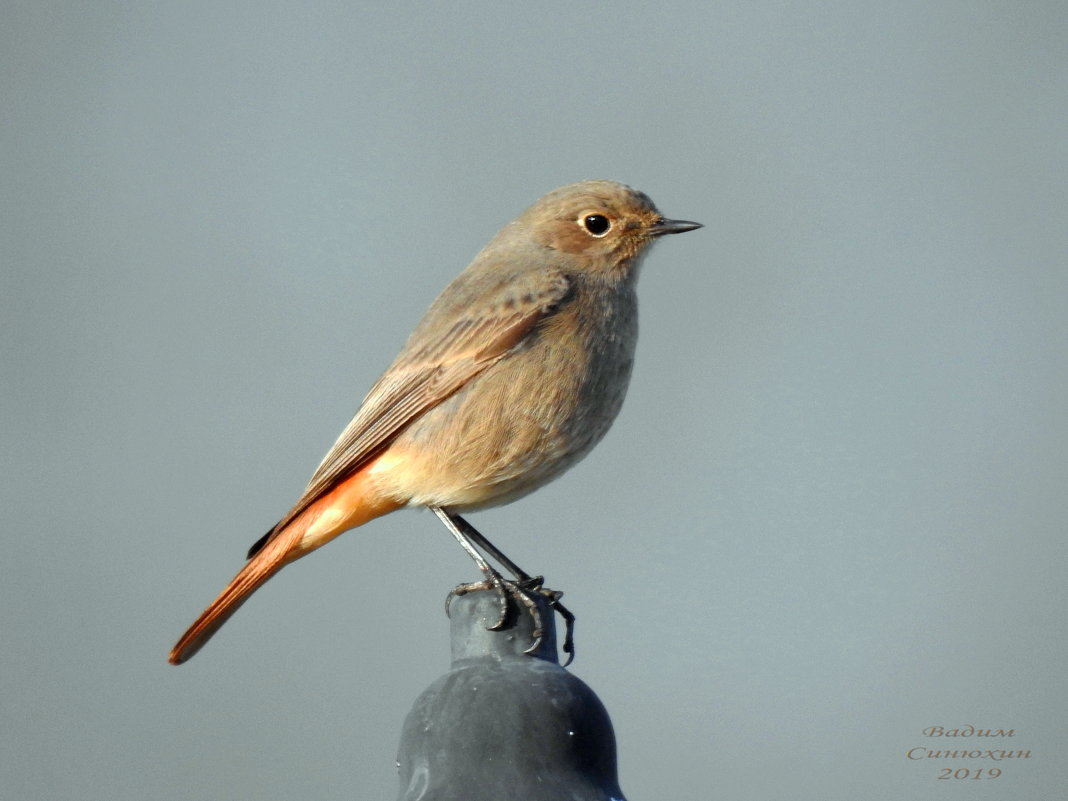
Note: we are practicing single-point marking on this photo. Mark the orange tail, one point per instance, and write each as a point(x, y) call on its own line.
point(351, 503)
point(247, 581)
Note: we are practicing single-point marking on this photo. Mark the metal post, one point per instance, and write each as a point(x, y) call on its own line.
point(502, 725)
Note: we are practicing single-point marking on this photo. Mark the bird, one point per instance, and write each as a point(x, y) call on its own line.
point(514, 373)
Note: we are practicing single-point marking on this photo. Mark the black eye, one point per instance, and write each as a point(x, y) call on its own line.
point(597, 224)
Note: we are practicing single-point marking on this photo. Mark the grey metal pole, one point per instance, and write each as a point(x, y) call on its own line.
point(502, 725)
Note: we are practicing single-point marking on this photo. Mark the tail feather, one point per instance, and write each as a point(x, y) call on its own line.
point(351, 503)
point(257, 546)
point(249, 579)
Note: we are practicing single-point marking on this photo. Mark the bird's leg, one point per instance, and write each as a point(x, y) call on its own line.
point(521, 589)
point(527, 582)
point(492, 577)
point(479, 539)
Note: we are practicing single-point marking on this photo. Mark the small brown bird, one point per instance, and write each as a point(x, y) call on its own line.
point(515, 372)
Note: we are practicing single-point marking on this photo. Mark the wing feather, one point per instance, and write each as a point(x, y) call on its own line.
point(432, 368)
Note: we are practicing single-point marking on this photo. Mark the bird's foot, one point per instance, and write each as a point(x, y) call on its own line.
point(524, 592)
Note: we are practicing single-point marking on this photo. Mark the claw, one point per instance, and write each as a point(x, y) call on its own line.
point(569, 625)
point(522, 590)
point(463, 589)
point(532, 583)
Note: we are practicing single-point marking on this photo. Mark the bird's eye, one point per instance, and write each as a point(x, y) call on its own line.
point(597, 224)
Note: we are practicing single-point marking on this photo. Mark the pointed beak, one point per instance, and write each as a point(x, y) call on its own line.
point(673, 227)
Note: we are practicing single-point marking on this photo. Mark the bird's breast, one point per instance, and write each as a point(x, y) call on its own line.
point(530, 416)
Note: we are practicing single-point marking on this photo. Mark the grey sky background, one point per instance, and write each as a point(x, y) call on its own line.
point(830, 515)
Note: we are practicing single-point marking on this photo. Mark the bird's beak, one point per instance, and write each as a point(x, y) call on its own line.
point(673, 227)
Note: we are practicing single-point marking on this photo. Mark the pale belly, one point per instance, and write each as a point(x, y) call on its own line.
point(520, 424)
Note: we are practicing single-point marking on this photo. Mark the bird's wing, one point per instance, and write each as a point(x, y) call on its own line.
point(431, 368)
